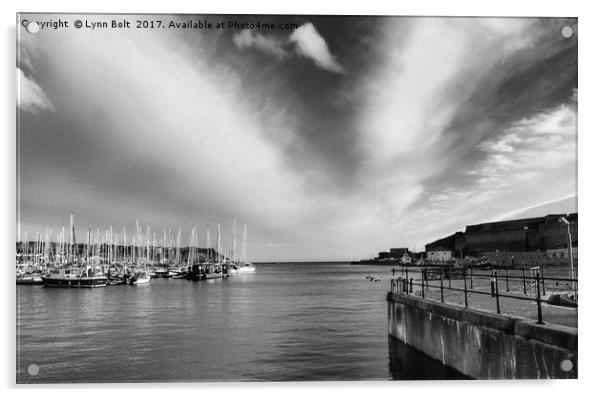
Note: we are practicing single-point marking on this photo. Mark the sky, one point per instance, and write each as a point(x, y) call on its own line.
point(332, 138)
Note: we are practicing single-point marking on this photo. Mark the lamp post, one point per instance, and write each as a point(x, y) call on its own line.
point(564, 221)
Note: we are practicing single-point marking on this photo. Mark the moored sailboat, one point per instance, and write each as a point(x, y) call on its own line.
point(245, 266)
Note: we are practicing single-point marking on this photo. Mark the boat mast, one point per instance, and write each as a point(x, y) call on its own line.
point(63, 246)
point(112, 251)
point(179, 244)
point(71, 238)
point(165, 249)
point(88, 249)
point(152, 253)
point(243, 250)
point(234, 241)
point(208, 257)
point(219, 243)
point(148, 242)
point(124, 243)
point(137, 242)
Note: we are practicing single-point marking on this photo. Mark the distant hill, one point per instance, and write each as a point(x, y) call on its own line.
point(565, 206)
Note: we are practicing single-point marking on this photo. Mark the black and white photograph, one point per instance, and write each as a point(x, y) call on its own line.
point(289, 197)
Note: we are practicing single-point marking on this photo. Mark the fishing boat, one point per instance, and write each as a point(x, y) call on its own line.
point(206, 271)
point(211, 271)
point(73, 277)
point(210, 268)
point(139, 277)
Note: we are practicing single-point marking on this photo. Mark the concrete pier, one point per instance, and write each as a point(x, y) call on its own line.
point(483, 345)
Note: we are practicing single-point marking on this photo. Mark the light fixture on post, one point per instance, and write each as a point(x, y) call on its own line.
point(564, 221)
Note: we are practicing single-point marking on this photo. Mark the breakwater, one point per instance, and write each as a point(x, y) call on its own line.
point(483, 345)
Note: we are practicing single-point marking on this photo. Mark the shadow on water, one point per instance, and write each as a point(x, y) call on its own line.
point(408, 363)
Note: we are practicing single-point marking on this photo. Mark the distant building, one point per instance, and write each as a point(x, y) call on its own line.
point(384, 255)
point(517, 235)
point(399, 253)
point(439, 255)
point(453, 246)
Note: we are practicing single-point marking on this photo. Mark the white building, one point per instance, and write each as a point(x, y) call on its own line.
point(439, 255)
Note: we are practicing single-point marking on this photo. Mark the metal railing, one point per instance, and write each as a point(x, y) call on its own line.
point(530, 285)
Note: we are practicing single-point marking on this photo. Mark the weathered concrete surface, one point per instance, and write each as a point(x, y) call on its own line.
point(483, 345)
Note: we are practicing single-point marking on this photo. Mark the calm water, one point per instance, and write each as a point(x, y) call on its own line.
point(285, 322)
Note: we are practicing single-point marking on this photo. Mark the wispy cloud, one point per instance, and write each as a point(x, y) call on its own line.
point(31, 97)
point(461, 116)
point(268, 45)
point(530, 146)
point(310, 44)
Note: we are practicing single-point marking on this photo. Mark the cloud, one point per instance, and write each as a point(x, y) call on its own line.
point(531, 144)
point(31, 97)
point(306, 39)
point(181, 139)
point(309, 43)
point(464, 115)
point(268, 45)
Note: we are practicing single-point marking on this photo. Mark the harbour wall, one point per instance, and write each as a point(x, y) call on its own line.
point(483, 345)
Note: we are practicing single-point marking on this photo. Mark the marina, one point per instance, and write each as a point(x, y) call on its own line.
point(102, 261)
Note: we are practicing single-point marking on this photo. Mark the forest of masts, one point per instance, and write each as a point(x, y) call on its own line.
point(141, 248)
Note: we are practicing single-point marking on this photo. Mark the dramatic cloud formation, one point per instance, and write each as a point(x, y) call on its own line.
point(31, 97)
point(312, 45)
point(431, 125)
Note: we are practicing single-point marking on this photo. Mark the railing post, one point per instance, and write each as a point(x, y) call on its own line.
point(507, 285)
point(426, 276)
point(492, 283)
point(539, 316)
point(441, 288)
point(497, 295)
point(471, 278)
point(411, 285)
point(543, 282)
point(465, 290)
point(524, 282)
point(422, 282)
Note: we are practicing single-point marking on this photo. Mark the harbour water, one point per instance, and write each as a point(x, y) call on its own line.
point(286, 322)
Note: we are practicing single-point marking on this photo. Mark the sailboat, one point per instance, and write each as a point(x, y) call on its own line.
point(231, 266)
point(177, 270)
point(244, 266)
point(212, 267)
